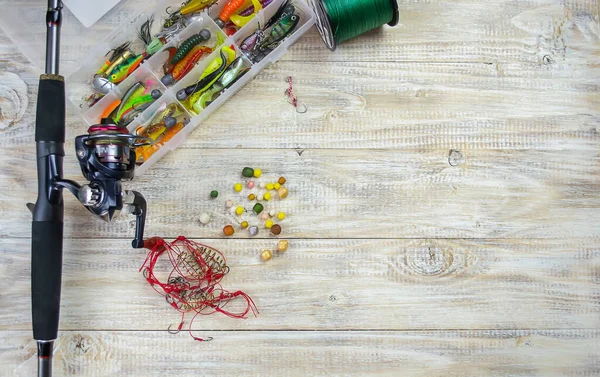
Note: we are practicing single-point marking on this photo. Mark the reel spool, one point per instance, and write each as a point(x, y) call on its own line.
point(324, 22)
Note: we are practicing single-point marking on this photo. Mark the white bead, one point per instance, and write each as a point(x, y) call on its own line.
point(272, 213)
point(260, 198)
point(205, 218)
point(229, 204)
point(262, 185)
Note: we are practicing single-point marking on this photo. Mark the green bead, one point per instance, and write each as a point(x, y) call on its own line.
point(258, 208)
point(248, 172)
point(214, 193)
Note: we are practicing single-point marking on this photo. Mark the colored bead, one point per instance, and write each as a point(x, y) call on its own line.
point(282, 192)
point(281, 215)
point(214, 193)
point(250, 184)
point(251, 197)
point(237, 187)
point(269, 186)
point(229, 204)
point(276, 229)
point(248, 172)
point(276, 186)
point(266, 255)
point(228, 230)
point(269, 224)
point(244, 224)
point(272, 212)
point(239, 210)
point(258, 208)
point(257, 173)
point(267, 196)
point(261, 185)
point(281, 181)
point(260, 197)
point(264, 216)
point(205, 218)
point(282, 246)
point(253, 230)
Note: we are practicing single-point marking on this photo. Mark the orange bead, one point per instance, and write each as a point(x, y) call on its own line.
point(281, 181)
point(228, 230)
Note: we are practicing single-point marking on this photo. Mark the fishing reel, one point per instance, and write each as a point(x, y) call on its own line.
point(107, 156)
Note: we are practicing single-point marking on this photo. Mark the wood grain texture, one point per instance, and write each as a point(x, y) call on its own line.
point(334, 285)
point(350, 193)
point(443, 214)
point(423, 354)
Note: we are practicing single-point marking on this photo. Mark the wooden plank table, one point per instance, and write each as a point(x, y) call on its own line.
point(444, 215)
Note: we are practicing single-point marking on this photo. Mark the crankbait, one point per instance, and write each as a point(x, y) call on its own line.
point(280, 30)
point(252, 42)
point(248, 11)
point(241, 21)
point(228, 10)
point(110, 65)
point(189, 44)
point(235, 70)
point(211, 74)
point(185, 66)
point(284, 9)
point(122, 72)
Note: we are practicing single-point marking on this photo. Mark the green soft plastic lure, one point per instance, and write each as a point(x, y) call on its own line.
point(235, 70)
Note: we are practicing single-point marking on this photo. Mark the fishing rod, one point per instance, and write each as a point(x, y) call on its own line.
point(106, 156)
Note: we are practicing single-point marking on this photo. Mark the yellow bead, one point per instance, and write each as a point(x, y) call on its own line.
point(237, 187)
point(281, 215)
point(277, 186)
point(282, 246)
point(266, 255)
point(257, 173)
point(282, 192)
point(251, 197)
point(269, 224)
point(267, 196)
point(270, 186)
point(239, 210)
point(244, 224)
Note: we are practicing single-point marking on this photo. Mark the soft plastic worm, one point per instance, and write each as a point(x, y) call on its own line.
point(186, 47)
point(185, 66)
point(229, 9)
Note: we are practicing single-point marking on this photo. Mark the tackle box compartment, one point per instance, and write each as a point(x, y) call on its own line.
point(79, 83)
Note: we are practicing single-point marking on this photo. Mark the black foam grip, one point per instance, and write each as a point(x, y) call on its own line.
point(50, 115)
point(46, 271)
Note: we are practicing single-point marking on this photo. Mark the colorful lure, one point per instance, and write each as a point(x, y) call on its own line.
point(146, 152)
point(253, 41)
point(235, 70)
point(241, 21)
point(185, 66)
point(248, 11)
point(229, 10)
point(280, 30)
point(125, 70)
point(211, 74)
point(189, 44)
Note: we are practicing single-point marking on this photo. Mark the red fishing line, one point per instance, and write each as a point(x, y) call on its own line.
point(193, 284)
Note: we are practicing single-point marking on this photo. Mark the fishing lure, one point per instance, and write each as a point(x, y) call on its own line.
point(110, 65)
point(241, 21)
point(146, 152)
point(189, 44)
point(185, 66)
point(252, 42)
point(248, 11)
point(211, 74)
point(284, 9)
point(133, 102)
point(280, 30)
point(125, 70)
point(233, 73)
point(228, 10)
point(102, 84)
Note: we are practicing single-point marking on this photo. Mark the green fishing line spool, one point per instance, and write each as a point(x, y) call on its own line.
point(340, 20)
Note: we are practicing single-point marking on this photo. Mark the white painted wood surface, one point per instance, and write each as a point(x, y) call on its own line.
point(443, 217)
